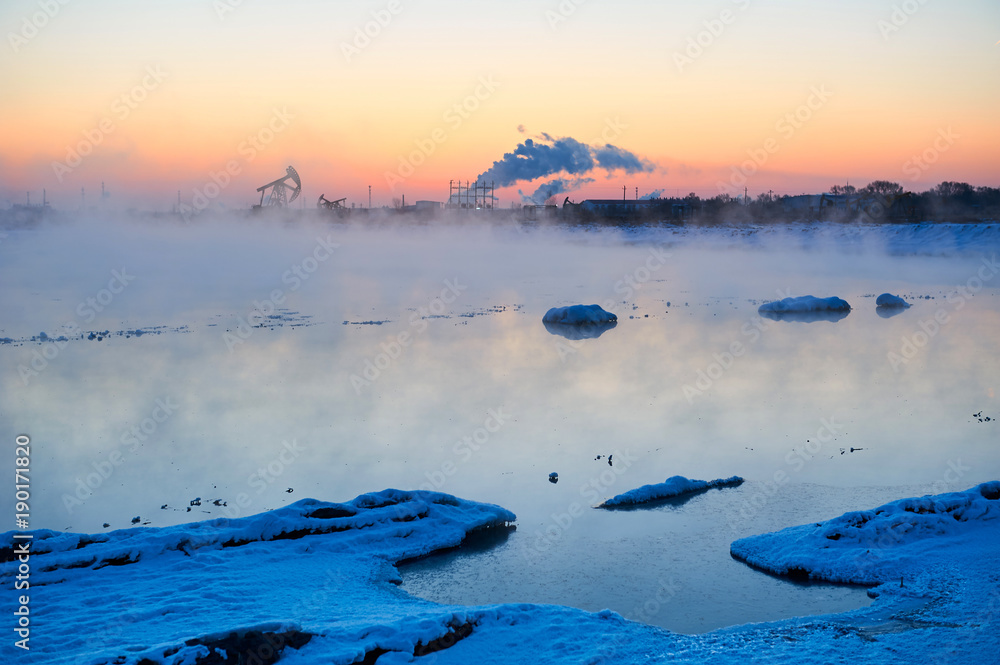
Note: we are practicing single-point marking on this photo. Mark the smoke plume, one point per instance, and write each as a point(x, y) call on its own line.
point(552, 188)
point(538, 158)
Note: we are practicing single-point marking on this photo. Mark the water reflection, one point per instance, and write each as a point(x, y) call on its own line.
point(830, 316)
point(578, 332)
point(459, 389)
point(889, 312)
point(620, 560)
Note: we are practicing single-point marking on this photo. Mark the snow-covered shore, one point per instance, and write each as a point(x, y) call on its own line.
point(876, 546)
point(315, 581)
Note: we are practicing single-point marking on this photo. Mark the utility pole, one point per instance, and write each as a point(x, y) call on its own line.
point(369, 197)
point(745, 202)
point(623, 192)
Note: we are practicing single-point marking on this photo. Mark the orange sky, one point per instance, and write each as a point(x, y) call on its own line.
point(161, 96)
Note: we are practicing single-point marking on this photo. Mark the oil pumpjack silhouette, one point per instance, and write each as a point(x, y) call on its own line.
point(281, 192)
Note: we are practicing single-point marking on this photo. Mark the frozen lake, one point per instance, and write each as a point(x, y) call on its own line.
point(416, 357)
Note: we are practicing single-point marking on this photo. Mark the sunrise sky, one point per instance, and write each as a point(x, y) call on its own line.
point(160, 96)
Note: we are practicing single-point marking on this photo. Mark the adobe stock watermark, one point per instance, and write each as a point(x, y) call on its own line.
point(795, 461)
point(956, 650)
point(593, 492)
point(613, 128)
point(705, 38)
point(562, 12)
point(248, 149)
point(929, 328)
point(129, 442)
point(466, 448)
point(786, 128)
point(294, 277)
point(900, 16)
point(121, 108)
point(646, 613)
point(626, 287)
point(392, 349)
point(21, 542)
point(264, 477)
point(453, 118)
point(32, 25)
point(950, 478)
point(894, 534)
point(363, 35)
point(723, 362)
point(87, 310)
point(225, 7)
point(918, 164)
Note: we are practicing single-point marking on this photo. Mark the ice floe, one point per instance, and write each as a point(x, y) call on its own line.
point(672, 487)
point(576, 315)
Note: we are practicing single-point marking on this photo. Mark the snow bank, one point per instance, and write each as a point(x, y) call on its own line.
point(805, 304)
point(315, 583)
point(291, 575)
point(577, 315)
point(890, 301)
point(876, 546)
point(674, 486)
point(434, 520)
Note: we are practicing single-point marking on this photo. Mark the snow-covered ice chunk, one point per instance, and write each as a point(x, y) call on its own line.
point(880, 545)
point(674, 486)
point(576, 315)
point(805, 304)
point(891, 302)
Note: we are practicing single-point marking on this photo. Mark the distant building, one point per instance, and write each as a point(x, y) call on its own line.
point(538, 212)
point(621, 207)
point(425, 208)
point(807, 205)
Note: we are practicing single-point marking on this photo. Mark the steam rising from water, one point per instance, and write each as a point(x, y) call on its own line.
point(487, 349)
